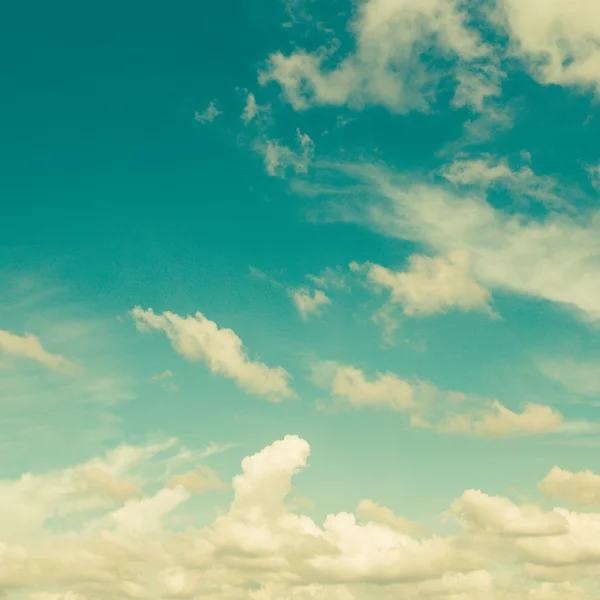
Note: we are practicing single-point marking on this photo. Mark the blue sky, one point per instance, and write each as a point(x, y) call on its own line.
point(236, 235)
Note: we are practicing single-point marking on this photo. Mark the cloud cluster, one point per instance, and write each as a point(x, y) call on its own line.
point(430, 408)
point(555, 41)
point(387, 66)
point(430, 285)
point(131, 544)
point(200, 339)
point(558, 41)
point(554, 259)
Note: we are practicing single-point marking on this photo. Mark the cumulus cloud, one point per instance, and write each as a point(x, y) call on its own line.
point(309, 302)
point(558, 41)
point(479, 512)
point(31, 503)
point(30, 347)
point(261, 548)
point(493, 419)
point(386, 67)
point(202, 479)
point(554, 258)
point(145, 515)
point(200, 339)
point(379, 513)
point(349, 387)
point(581, 489)
point(431, 285)
point(448, 412)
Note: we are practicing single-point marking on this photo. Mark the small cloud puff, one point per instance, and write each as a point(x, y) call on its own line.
point(209, 114)
point(309, 303)
point(201, 340)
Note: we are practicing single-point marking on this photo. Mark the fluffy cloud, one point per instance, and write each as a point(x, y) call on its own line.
point(581, 489)
point(309, 303)
point(431, 285)
point(198, 481)
point(260, 548)
point(559, 41)
point(349, 387)
point(379, 513)
point(554, 259)
point(199, 339)
point(479, 512)
point(493, 419)
point(30, 504)
point(386, 67)
point(430, 408)
point(29, 347)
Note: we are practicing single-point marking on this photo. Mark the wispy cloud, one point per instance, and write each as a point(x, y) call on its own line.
point(165, 379)
point(213, 448)
point(209, 114)
point(278, 158)
point(30, 347)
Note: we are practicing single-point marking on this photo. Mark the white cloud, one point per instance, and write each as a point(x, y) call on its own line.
point(493, 419)
point(145, 515)
point(202, 479)
point(209, 114)
point(30, 504)
point(379, 513)
point(29, 347)
point(261, 548)
point(579, 377)
point(199, 339)
point(431, 285)
point(330, 278)
point(386, 67)
point(430, 408)
point(581, 489)
point(594, 175)
point(252, 110)
point(477, 85)
point(558, 40)
point(309, 303)
point(216, 448)
point(554, 259)
point(278, 158)
point(165, 379)
point(349, 387)
point(490, 172)
point(479, 512)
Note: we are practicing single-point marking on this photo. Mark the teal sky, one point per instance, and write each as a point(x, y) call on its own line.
point(370, 225)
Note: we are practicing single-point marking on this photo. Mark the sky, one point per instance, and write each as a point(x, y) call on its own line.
point(300, 300)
